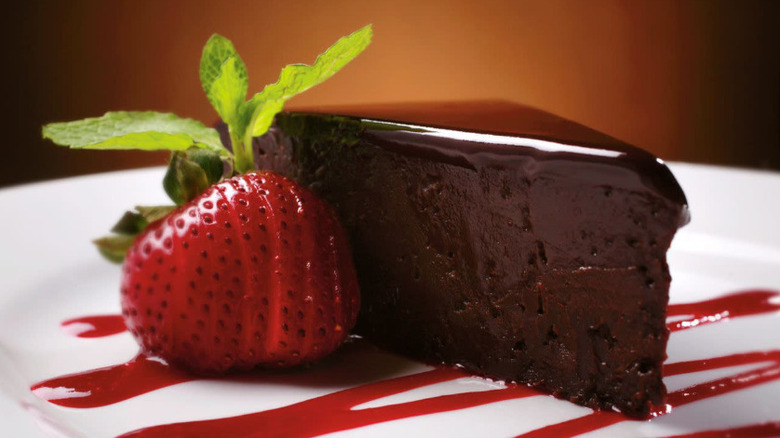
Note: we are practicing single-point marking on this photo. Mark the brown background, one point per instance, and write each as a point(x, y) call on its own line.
point(694, 81)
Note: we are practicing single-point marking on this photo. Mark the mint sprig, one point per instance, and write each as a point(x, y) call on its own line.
point(226, 87)
point(297, 78)
point(225, 81)
point(146, 131)
point(198, 155)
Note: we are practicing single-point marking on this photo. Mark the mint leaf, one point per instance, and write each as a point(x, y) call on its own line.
point(227, 93)
point(223, 76)
point(217, 50)
point(253, 118)
point(297, 78)
point(135, 130)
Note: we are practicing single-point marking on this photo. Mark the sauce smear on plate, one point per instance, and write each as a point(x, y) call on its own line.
point(335, 412)
point(96, 326)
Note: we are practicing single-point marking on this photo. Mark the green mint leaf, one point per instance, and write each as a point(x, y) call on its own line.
point(223, 76)
point(216, 52)
point(225, 94)
point(147, 130)
point(297, 78)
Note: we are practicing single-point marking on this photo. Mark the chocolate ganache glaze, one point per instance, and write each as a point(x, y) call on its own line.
point(500, 238)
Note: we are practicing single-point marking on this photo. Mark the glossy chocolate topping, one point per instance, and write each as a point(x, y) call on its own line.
point(500, 134)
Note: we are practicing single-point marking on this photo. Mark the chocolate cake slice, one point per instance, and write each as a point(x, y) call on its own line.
point(500, 238)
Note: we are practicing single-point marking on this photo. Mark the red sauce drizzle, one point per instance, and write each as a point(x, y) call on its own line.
point(94, 326)
point(723, 308)
point(717, 387)
point(576, 426)
point(105, 386)
point(766, 430)
point(600, 419)
point(333, 412)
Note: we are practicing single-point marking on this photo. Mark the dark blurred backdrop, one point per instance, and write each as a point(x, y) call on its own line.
point(695, 81)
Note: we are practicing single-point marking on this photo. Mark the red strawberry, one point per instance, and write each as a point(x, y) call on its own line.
point(255, 271)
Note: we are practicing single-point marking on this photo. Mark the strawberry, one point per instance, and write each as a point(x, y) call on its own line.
point(253, 272)
point(250, 271)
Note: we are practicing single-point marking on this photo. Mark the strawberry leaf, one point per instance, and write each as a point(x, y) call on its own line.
point(133, 222)
point(210, 162)
point(154, 213)
point(130, 224)
point(114, 247)
point(190, 173)
point(135, 130)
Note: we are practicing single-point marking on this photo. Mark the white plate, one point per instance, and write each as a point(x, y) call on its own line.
point(50, 272)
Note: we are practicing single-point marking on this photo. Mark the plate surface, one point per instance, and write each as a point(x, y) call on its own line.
point(51, 273)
